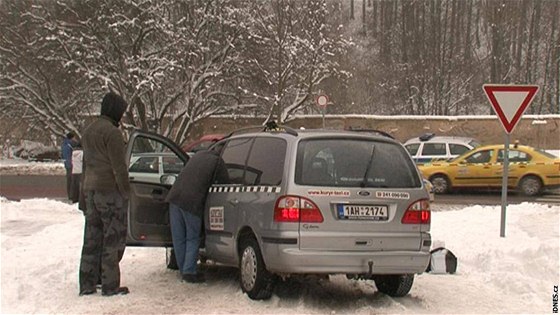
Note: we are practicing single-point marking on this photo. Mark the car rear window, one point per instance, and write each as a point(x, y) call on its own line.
point(354, 163)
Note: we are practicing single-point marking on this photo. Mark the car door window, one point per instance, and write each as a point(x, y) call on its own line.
point(515, 156)
point(457, 149)
point(144, 165)
point(434, 149)
point(265, 165)
point(412, 148)
point(235, 155)
point(480, 157)
point(150, 159)
point(172, 165)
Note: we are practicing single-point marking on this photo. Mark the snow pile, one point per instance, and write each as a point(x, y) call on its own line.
point(24, 167)
point(41, 244)
point(35, 150)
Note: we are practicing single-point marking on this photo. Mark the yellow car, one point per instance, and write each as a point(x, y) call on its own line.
point(530, 170)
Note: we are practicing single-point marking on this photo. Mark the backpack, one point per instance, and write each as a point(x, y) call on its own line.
point(442, 260)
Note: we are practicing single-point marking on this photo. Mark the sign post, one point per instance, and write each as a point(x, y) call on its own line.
point(322, 101)
point(509, 103)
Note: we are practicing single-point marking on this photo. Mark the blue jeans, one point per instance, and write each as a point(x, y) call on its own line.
point(185, 231)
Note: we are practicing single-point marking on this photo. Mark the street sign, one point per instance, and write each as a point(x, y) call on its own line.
point(510, 102)
point(322, 100)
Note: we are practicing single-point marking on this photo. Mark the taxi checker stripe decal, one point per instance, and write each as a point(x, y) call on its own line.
point(224, 189)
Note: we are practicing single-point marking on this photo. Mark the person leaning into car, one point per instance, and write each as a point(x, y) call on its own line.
point(186, 200)
point(107, 189)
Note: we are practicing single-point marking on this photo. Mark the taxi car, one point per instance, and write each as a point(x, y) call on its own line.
point(530, 170)
point(430, 148)
point(299, 203)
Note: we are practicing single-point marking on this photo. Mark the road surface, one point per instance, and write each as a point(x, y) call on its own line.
point(16, 187)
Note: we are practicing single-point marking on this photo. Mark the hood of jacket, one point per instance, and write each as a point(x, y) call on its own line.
point(113, 106)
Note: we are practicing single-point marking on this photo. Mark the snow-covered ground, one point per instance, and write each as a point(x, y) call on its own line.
point(41, 244)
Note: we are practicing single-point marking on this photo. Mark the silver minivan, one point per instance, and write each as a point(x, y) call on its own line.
point(311, 202)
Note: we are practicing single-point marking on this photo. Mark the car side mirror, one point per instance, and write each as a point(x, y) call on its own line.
point(168, 179)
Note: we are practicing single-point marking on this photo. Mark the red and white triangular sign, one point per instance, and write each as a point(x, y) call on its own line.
point(510, 101)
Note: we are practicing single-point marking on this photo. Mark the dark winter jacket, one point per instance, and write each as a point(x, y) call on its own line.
point(105, 165)
point(67, 147)
point(191, 187)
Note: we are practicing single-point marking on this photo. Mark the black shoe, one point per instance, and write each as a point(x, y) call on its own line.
point(196, 278)
point(87, 291)
point(117, 291)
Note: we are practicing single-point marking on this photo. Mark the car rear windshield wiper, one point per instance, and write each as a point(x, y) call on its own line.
point(364, 181)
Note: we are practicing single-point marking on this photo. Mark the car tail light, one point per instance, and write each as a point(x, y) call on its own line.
point(417, 213)
point(296, 209)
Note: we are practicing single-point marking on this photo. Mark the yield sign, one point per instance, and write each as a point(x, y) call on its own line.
point(510, 101)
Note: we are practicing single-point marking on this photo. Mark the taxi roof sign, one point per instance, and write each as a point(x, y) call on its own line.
point(510, 102)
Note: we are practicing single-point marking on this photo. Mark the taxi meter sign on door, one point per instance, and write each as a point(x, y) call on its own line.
point(510, 102)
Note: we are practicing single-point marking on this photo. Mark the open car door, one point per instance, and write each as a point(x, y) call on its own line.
point(153, 161)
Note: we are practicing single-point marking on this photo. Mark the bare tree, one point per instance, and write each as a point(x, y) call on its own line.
point(291, 51)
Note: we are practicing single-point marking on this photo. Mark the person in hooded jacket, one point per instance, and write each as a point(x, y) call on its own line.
point(107, 189)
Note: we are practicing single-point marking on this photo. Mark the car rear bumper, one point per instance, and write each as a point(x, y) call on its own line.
point(289, 259)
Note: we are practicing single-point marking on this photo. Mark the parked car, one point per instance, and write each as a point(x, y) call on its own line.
point(149, 167)
point(203, 142)
point(530, 170)
point(429, 147)
point(311, 202)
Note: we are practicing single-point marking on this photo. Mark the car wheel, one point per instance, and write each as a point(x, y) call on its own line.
point(255, 280)
point(170, 259)
point(530, 185)
point(394, 285)
point(440, 184)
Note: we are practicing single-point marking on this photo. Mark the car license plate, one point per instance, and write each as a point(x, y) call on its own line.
point(363, 212)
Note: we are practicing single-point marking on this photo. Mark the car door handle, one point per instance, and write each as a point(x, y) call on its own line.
point(131, 178)
point(234, 202)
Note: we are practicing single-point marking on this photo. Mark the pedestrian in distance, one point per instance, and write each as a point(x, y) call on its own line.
point(107, 192)
point(77, 162)
point(187, 200)
point(66, 152)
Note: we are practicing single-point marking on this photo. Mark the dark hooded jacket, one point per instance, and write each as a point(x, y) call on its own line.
point(105, 165)
point(191, 187)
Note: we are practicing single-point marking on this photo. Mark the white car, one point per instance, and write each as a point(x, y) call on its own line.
point(429, 147)
point(150, 167)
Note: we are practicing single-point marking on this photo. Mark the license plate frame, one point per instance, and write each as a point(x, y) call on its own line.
point(363, 212)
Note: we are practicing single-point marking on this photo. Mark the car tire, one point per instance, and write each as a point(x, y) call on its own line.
point(394, 285)
point(255, 280)
point(441, 184)
point(170, 259)
point(530, 185)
